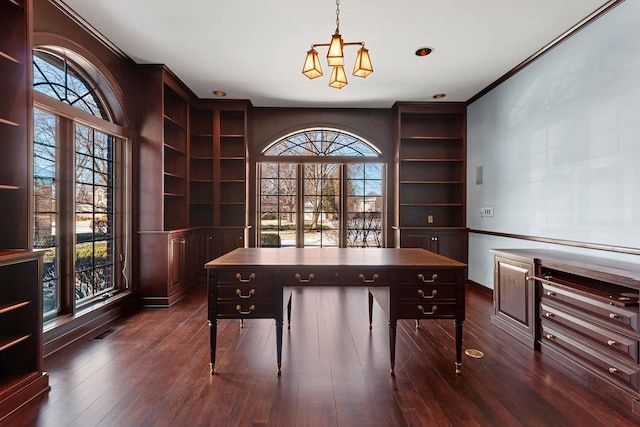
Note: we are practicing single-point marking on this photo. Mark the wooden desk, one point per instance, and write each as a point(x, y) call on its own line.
point(408, 283)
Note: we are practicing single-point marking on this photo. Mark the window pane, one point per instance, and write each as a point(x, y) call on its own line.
point(364, 205)
point(94, 214)
point(321, 204)
point(278, 204)
point(45, 204)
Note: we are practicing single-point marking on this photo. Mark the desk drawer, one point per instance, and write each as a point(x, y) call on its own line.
point(364, 276)
point(609, 341)
point(246, 310)
point(301, 276)
point(426, 276)
point(246, 292)
point(626, 318)
point(245, 277)
point(426, 310)
point(428, 293)
point(607, 366)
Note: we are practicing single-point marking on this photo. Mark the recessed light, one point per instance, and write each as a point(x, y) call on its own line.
point(424, 51)
point(219, 93)
point(439, 95)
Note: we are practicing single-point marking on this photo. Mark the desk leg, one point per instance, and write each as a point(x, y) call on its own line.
point(370, 310)
point(213, 334)
point(279, 343)
point(458, 326)
point(392, 345)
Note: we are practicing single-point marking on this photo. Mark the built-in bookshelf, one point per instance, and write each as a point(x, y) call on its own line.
point(231, 164)
point(175, 155)
point(201, 180)
point(431, 171)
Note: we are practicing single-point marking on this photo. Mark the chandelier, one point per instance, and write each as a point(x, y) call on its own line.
point(335, 58)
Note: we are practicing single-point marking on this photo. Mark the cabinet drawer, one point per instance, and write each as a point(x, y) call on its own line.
point(609, 367)
point(427, 310)
point(245, 292)
point(609, 341)
point(245, 277)
point(246, 310)
point(426, 276)
point(428, 293)
point(626, 318)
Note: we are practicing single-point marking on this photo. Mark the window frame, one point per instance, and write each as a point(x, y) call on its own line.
point(67, 117)
point(342, 161)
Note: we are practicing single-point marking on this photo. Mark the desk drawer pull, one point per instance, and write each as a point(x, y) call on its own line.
point(373, 279)
point(301, 280)
point(549, 315)
point(239, 293)
point(434, 292)
point(611, 342)
point(549, 336)
point(613, 316)
point(433, 309)
point(613, 370)
point(239, 309)
point(551, 293)
point(433, 278)
point(251, 276)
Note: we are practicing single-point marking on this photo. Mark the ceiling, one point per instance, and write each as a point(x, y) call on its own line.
point(255, 49)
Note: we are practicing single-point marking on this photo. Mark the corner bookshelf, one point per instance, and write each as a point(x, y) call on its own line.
point(431, 177)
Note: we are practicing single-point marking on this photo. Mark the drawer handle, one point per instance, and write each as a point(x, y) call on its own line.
point(551, 293)
point(373, 279)
point(301, 280)
point(611, 342)
point(433, 309)
point(434, 292)
point(433, 278)
point(613, 316)
point(550, 337)
point(239, 293)
point(251, 308)
point(251, 276)
point(613, 370)
point(549, 315)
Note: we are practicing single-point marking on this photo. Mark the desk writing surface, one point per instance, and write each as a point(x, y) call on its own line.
point(348, 257)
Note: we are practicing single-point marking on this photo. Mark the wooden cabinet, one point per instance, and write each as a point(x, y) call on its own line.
point(514, 296)
point(450, 243)
point(581, 310)
point(430, 174)
point(21, 368)
point(202, 166)
point(15, 122)
point(166, 276)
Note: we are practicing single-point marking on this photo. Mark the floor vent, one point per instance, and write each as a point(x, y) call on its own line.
point(105, 333)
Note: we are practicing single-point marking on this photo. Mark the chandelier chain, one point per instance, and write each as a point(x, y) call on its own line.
point(337, 16)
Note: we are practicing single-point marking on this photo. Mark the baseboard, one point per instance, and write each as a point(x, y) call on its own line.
point(480, 288)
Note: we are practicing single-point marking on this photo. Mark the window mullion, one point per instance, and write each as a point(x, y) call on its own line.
point(300, 210)
point(66, 217)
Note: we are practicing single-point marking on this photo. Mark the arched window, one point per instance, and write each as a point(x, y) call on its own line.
point(77, 187)
point(321, 187)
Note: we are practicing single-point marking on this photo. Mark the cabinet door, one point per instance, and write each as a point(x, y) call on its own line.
point(452, 244)
point(514, 298)
point(229, 240)
point(177, 260)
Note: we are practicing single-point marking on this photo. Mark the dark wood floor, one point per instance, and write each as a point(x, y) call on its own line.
point(152, 370)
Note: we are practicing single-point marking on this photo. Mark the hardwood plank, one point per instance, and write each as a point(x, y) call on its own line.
point(152, 370)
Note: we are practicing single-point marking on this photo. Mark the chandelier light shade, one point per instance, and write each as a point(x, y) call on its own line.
point(338, 77)
point(335, 58)
point(312, 68)
point(362, 67)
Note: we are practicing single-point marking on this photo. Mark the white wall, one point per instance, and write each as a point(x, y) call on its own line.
point(559, 145)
